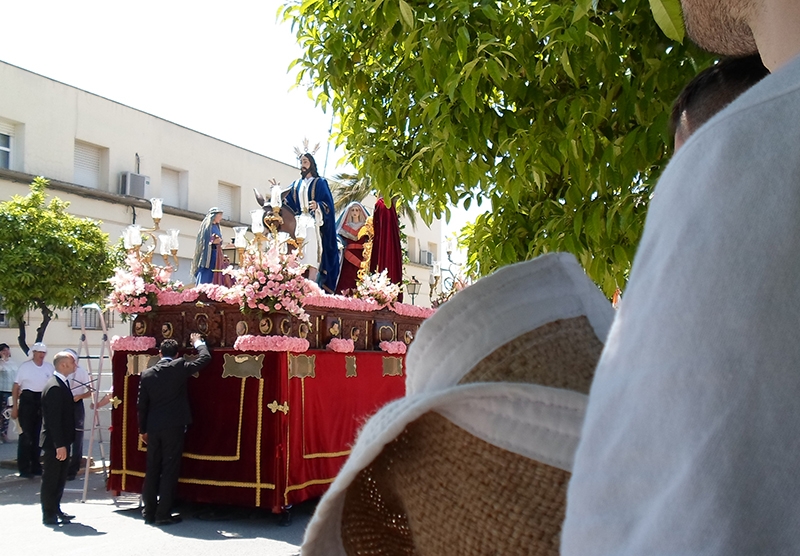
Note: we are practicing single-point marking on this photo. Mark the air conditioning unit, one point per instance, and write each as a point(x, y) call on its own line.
point(426, 258)
point(135, 185)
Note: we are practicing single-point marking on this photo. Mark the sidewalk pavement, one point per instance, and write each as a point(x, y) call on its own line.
point(105, 525)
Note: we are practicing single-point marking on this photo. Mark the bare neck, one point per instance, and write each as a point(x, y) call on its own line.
point(776, 28)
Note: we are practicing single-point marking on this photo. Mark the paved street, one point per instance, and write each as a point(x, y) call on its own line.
point(104, 525)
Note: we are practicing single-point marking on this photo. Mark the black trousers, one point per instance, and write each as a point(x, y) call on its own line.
point(164, 452)
point(54, 477)
point(30, 419)
point(76, 454)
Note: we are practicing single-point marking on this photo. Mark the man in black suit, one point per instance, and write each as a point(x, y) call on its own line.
point(58, 432)
point(164, 414)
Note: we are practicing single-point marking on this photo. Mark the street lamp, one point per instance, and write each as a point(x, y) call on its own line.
point(413, 288)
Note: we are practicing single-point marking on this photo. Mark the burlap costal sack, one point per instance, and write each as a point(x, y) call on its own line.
point(459, 494)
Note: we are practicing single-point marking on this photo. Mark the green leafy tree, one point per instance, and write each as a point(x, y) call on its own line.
point(348, 188)
point(51, 259)
point(556, 112)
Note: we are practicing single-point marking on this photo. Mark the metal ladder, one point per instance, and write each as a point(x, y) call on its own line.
point(95, 378)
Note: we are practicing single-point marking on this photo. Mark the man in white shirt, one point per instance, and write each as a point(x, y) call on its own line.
point(32, 376)
point(690, 441)
point(8, 372)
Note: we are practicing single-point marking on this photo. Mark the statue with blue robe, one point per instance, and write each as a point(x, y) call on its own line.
point(311, 201)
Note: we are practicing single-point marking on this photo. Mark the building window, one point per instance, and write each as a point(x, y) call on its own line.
point(228, 199)
point(91, 318)
point(412, 249)
point(5, 319)
point(173, 183)
point(88, 165)
point(6, 133)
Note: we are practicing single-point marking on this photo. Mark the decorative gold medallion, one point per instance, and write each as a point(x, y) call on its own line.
point(392, 366)
point(166, 330)
point(302, 366)
point(355, 332)
point(139, 327)
point(265, 325)
point(242, 365)
point(139, 362)
point(335, 329)
point(201, 320)
point(408, 337)
point(286, 327)
point(350, 366)
point(241, 328)
point(386, 333)
point(302, 330)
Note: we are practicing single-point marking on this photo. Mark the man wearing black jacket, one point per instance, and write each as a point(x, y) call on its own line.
point(58, 432)
point(164, 414)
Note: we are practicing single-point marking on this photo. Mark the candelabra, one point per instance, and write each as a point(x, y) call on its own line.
point(167, 242)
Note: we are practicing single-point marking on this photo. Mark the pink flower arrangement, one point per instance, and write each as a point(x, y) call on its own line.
point(395, 348)
point(140, 285)
point(412, 310)
point(271, 281)
point(249, 342)
point(132, 343)
point(341, 302)
point(172, 297)
point(340, 345)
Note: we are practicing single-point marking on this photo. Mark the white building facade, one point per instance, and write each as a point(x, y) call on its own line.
point(108, 159)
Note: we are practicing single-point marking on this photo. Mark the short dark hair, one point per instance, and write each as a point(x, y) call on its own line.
point(713, 89)
point(313, 167)
point(3, 346)
point(169, 348)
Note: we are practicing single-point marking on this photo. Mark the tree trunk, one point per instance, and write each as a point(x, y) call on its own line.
point(47, 315)
point(21, 339)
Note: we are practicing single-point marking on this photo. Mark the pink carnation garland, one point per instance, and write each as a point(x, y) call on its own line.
point(132, 343)
point(248, 342)
point(395, 348)
point(340, 345)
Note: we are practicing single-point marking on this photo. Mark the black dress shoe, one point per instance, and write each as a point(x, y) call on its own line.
point(50, 520)
point(65, 517)
point(172, 520)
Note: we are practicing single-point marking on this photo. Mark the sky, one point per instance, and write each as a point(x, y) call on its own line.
point(219, 68)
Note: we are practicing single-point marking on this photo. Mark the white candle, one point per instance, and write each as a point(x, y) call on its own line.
point(155, 208)
point(173, 238)
point(240, 242)
point(276, 196)
point(164, 243)
point(135, 234)
point(256, 222)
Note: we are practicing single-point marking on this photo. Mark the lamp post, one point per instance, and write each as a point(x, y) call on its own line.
point(413, 288)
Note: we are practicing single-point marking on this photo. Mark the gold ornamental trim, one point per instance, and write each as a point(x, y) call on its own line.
point(350, 370)
point(302, 366)
point(392, 366)
point(140, 362)
point(242, 365)
point(205, 482)
point(275, 407)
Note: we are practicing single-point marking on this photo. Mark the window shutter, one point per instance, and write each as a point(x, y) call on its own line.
point(87, 165)
point(225, 200)
point(6, 128)
point(171, 187)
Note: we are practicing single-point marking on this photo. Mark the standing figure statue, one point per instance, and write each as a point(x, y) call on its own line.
point(311, 201)
point(348, 226)
point(208, 250)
